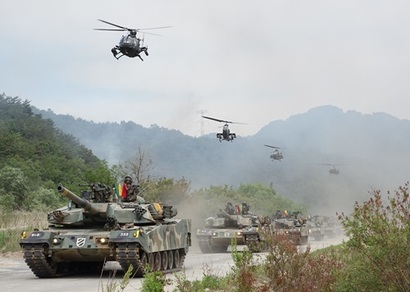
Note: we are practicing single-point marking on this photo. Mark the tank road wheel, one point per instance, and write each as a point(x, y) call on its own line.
point(164, 260)
point(177, 259)
point(143, 264)
point(151, 262)
point(157, 262)
point(170, 259)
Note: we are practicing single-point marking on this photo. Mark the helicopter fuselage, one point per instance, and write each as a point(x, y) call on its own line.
point(129, 46)
point(333, 171)
point(226, 134)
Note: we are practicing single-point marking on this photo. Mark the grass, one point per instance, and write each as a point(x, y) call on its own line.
point(12, 224)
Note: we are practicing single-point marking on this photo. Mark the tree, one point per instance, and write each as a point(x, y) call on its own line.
point(140, 165)
point(13, 187)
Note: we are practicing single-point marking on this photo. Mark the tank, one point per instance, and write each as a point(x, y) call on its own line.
point(95, 228)
point(226, 227)
point(316, 228)
point(255, 235)
point(294, 226)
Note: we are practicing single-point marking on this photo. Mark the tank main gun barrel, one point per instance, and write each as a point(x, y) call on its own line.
point(76, 199)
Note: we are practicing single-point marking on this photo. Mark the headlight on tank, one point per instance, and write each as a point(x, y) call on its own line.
point(214, 234)
point(23, 235)
point(239, 233)
point(56, 240)
point(103, 240)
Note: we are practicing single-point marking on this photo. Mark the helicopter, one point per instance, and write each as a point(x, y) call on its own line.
point(276, 155)
point(226, 133)
point(130, 45)
point(333, 169)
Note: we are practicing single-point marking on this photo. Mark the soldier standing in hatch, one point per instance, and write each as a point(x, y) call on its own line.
point(130, 192)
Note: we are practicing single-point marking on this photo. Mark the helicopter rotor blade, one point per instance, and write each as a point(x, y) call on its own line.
point(113, 24)
point(217, 120)
point(109, 29)
point(274, 147)
point(329, 164)
point(222, 121)
point(144, 32)
point(158, 27)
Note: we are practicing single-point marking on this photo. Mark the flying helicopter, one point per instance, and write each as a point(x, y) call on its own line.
point(130, 45)
point(333, 169)
point(276, 155)
point(226, 133)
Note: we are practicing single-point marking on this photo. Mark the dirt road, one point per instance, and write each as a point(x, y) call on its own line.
point(16, 276)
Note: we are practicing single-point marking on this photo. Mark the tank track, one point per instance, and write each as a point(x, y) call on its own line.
point(130, 254)
point(205, 246)
point(35, 255)
point(253, 243)
point(37, 259)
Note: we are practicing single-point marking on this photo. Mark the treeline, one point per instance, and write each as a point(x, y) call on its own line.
point(35, 156)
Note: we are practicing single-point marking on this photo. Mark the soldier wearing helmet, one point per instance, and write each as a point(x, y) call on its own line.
point(130, 192)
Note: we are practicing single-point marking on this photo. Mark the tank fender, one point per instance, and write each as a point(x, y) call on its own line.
point(36, 237)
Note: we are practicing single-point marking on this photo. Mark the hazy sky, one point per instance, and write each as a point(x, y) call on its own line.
point(245, 61)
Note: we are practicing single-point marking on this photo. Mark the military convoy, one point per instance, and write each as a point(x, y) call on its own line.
point(237, 225)
point(95, 228)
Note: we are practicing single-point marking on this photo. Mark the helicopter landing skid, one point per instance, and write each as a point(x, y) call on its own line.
point(116, 54)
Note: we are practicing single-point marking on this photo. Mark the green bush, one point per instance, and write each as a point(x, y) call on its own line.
point(378, 249)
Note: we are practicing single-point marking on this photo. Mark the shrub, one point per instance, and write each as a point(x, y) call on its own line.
point(379, 243)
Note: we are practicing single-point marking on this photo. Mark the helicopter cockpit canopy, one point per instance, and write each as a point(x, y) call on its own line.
point(129, 41)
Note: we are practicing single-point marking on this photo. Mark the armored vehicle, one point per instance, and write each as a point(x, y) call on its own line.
point(316, 228)
point(96, 228)
point(225, 228)
point(294, 226)
point(330, 226)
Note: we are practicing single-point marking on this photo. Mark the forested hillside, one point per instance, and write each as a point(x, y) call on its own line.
point(35, 156)
point(370, 151)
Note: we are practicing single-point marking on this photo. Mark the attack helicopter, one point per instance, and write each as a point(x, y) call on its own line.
point(333, 169)
point(276, 155)
point(130, 45)
point(226, 133)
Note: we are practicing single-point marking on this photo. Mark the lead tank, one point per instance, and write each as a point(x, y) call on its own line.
point(94, 229)
point(226, 227)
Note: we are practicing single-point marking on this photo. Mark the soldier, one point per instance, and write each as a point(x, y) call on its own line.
point(130, 192)
point(245, 209)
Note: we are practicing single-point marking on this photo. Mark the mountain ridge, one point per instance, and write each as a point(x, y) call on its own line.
point(370, 149)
